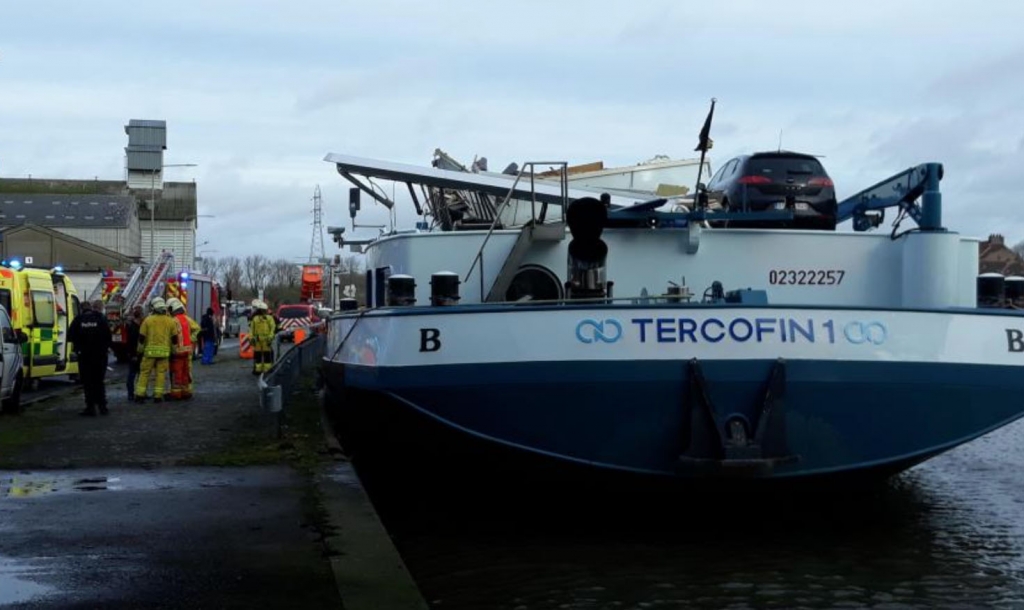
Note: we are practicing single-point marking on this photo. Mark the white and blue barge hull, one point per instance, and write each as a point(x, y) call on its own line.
point(676, 391)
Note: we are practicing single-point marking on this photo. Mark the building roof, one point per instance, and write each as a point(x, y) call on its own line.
point(146, 123)
point(176, 201)
point(99, 211)
point(995, 257)
point(95, 256)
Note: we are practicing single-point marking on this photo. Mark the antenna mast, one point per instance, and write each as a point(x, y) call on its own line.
point(316, 245)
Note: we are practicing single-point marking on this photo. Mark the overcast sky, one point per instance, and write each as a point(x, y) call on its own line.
point(257, 92)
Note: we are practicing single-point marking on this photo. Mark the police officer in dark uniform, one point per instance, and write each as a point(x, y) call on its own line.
point(90, 336)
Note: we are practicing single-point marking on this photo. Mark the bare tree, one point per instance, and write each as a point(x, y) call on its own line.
point(257, 272)
point(231, 272)
point(1018, 249)
point(353, 263)
point(209, 266)
point(283, 273)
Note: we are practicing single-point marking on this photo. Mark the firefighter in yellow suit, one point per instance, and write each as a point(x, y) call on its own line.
point(158, 336)
point(262, 329)
point(181, 358)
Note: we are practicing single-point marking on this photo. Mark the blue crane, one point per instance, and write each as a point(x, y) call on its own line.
point(902, 190)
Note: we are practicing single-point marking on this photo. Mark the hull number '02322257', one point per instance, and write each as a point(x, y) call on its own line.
point(806, 277)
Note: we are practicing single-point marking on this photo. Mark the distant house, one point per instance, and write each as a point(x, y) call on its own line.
point(994, 256)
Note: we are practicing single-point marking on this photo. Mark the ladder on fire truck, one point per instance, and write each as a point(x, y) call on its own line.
point(147, 283)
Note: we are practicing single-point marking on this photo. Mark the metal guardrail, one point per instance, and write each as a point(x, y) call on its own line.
point(277, 384)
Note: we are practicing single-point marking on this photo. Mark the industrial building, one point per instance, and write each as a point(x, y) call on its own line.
point(93, 224)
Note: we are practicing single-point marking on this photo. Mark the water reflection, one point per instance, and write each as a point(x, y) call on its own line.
point(947, 534)
point(18, 581)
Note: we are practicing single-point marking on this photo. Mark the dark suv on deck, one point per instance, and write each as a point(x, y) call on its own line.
point(779, 180)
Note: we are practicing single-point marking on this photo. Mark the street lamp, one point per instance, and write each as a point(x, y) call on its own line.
point(152, 210)
point(186, 224)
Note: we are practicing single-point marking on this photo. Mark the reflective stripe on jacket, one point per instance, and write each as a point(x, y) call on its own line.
point(157, 335)
point(262, 327)
point(189, 333)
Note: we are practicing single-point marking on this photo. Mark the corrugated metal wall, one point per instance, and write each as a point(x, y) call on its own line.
point(145, 181)
point(124, 241)
point(176, 237)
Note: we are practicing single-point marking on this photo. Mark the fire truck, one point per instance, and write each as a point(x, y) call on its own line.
point(121, 292)
point(305, 312)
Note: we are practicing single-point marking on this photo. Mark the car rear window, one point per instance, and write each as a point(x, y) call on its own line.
point(783, 166)
point(294, 312)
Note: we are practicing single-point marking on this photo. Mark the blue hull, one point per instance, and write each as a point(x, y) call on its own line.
point(649, 418)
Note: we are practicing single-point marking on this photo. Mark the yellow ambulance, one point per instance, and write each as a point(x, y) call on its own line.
point(42, 303)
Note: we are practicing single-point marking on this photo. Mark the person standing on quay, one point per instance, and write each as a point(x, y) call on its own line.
point(181, 358)
point(158, 335)
point(262, 329)
point(132, 347)
point(209, 336)
point(90, 335)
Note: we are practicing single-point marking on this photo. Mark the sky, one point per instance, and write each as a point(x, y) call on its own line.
point(256, 93)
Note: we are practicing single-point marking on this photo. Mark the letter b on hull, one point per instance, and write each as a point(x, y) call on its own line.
point(1014, 340)
point(430, 339)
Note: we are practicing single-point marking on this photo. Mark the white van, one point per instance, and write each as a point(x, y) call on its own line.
point(11, 374)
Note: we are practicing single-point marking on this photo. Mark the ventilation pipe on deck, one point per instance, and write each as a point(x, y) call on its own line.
point(444, 289)
point(1013, 291)
point(401, 291)
point(991, 288)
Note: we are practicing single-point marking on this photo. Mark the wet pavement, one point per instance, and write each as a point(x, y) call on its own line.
point(175, 538)
point(125, 511)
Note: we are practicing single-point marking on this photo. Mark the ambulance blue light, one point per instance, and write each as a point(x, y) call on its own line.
point(58, 269)
point(15, 263)
point(184, 285)
point(184, 275)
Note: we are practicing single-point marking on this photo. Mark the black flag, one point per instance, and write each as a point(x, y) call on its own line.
point(705, 133)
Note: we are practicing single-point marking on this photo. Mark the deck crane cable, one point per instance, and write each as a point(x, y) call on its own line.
point(896, 225)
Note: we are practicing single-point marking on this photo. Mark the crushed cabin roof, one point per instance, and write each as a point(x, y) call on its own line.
point(99, 211)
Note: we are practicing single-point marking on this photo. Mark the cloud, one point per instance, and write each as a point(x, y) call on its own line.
point(256, 93)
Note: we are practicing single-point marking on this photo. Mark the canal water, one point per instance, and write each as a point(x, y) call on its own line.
point(946, 534)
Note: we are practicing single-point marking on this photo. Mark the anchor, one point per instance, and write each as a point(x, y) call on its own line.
point(711, 448)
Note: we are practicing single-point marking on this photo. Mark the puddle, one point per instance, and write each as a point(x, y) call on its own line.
point(28, 486)
point(23, 487)
point(16, 584)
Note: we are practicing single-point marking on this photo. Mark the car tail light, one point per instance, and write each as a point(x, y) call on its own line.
point(755, 180)
point(820, 181)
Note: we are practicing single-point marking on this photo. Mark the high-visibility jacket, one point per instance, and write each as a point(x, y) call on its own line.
point(158, 333)
point(189, 333)
point(262, 329)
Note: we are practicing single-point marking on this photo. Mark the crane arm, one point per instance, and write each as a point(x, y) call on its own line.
point(901, 190)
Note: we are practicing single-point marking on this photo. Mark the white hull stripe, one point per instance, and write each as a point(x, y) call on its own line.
point(741, 333)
